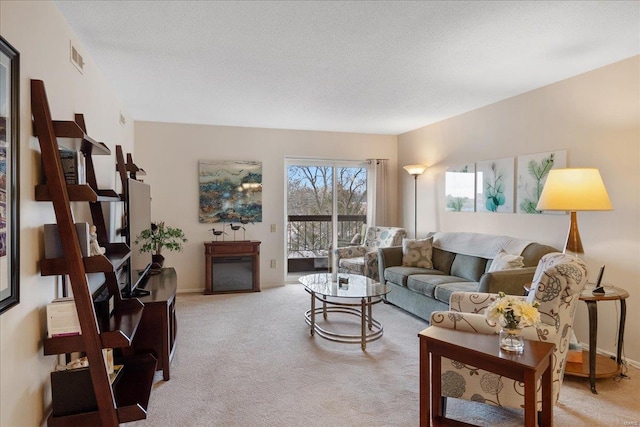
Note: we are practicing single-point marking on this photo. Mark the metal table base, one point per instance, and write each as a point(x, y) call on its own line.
point(370, 329)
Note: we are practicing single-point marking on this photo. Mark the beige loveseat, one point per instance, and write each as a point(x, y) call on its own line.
point(460, 262)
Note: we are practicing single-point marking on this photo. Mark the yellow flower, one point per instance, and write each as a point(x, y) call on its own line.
point(530, 315)
point(513, 312)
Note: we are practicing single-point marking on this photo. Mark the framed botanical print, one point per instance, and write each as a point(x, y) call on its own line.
point(460, 190)
point(9, 190)
point(533, 170)
point(495, 185)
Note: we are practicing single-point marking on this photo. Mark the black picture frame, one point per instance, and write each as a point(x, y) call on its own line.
point(9, 172)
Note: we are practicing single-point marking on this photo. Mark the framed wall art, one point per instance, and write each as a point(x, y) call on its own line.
point(533, 170)
point(230, 191)
point(460, 188)
point(9, 189)
point(495, 190)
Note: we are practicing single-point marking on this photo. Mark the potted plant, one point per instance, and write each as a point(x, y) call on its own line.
point(159, 237)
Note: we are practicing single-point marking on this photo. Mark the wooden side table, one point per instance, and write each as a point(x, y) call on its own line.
point(483, 351)
point(597, 365)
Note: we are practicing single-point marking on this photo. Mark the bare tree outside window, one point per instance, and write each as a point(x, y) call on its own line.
point(310, 204)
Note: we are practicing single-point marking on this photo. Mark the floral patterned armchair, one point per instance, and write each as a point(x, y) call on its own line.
point(557, 283)
point(363, 259)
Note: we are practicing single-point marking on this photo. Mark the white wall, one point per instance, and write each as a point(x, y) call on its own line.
point(38, 31)
point(169, 153)
point(596, 117)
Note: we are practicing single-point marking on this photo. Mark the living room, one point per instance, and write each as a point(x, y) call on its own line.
point(593, 114)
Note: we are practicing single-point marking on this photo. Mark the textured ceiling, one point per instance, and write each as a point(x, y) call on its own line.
point(354, 66)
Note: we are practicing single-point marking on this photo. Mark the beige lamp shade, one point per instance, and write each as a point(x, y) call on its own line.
point(574, 189)
point(415, 169)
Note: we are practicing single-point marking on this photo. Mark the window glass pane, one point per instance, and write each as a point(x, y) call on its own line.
point(352, 204)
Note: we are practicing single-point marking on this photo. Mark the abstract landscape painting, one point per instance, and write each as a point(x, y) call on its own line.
point(533, 170)
point(230, 191)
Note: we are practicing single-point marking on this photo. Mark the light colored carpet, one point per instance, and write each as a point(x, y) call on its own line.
point(248, 360)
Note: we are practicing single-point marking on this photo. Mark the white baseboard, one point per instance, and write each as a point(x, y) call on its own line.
point(634, 363)
point(201, 290)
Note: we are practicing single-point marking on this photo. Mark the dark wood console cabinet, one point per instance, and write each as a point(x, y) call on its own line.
point(157, 330)
point(232, 266)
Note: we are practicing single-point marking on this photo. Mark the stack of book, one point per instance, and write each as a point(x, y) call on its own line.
point(73, 166)
point(62, 318)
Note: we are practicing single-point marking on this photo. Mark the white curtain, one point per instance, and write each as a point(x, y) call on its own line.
point(377, 177)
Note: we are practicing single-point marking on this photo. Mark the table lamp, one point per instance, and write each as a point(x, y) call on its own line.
point(574, 189)
point(415, 171)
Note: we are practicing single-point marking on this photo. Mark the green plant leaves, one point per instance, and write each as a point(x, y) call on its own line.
point(159, 237)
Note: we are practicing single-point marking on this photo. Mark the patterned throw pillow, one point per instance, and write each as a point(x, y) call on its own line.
point(506, 261)
point(417, 252)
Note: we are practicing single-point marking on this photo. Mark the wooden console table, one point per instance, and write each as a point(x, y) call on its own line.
point(157, 330)
point(596, 365)
point(483, 352)
point(232, 266)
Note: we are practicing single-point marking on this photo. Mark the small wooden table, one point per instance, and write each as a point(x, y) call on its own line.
point(597, 365)
point(482, 351)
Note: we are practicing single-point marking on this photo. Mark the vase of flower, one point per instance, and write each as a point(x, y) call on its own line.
point(511, 340)
point(513, 314)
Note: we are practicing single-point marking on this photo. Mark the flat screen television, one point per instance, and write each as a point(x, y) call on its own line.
point(138, 218)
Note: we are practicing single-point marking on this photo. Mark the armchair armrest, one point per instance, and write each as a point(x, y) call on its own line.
point(473, 322)
point(464, 322)
point(350, 252)
point(471, 302)
point(511, 282)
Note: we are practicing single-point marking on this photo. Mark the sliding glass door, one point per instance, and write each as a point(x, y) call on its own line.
point(326, 202)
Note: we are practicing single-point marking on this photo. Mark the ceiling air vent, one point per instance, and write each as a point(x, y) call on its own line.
point(76, 58)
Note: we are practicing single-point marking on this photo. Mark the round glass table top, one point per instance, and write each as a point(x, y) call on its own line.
point(345, 285)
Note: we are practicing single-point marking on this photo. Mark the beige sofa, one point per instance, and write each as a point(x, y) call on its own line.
point(461, 263)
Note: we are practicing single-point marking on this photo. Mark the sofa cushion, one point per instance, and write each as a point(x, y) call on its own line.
point(505, 261)
point(468, 267)
point(399, 275)
point(443, 292)
point(442, 260)
point(427, 283)
point(531, 254)
point(417, 252)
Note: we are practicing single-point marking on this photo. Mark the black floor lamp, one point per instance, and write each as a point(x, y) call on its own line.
point(415, 170)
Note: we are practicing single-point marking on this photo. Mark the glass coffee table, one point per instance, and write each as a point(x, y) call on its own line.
point(337, 296)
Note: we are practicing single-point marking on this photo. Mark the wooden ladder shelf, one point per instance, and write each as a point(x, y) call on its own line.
point(126, 400)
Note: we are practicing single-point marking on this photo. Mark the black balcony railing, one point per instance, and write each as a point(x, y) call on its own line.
point(310, 237)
